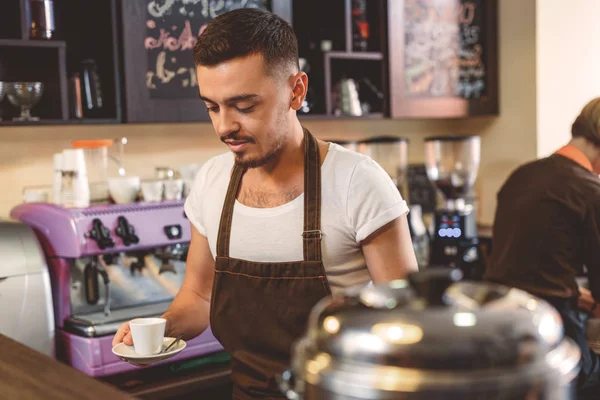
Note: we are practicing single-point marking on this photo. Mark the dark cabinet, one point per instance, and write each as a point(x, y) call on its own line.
point(343, 44)
point(421, 59)
point(84, 42)
point(159, 73)
point(91, 33)
point(386, 58)
point(34, 61)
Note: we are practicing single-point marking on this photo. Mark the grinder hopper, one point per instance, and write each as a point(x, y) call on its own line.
point(391, 153)
point(452, 163)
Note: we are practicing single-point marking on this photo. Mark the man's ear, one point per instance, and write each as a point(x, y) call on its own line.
point(299, 83)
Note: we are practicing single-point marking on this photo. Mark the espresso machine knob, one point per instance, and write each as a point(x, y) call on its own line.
point(126, 232)
point(173, 231)
point(100, 234)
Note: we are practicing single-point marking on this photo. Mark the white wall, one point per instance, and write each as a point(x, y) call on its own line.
point(568, 66)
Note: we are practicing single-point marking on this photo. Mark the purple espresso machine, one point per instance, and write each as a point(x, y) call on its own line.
point(109, 264)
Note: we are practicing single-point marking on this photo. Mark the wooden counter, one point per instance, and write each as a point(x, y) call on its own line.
point(27, 374)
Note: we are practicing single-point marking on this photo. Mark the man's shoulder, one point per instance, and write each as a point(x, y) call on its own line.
point(213, 171)
point(350, 170)
point(218, 165)
point(344, 160)
point(530, 171)
point(577, 177)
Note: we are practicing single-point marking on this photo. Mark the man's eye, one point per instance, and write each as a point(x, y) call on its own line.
point(245, 110)
point(212, 109)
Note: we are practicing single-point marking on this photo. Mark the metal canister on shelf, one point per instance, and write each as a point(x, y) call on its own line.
point(41, 19)
point(92, 88)
point(75, 102)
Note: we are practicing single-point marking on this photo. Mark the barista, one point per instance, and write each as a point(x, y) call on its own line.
point(547, 228)
point(282, 219)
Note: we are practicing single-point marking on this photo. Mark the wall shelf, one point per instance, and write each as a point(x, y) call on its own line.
point(23, 60)
point(323, 117)
point(393, 79)
point(41, 122)
point(32, 43)
point(84, 31)
point(92, 121)
point(85, 121)
point(376, 56)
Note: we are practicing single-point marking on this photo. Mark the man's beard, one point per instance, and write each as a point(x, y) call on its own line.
point(259, 162)
point(270, 156)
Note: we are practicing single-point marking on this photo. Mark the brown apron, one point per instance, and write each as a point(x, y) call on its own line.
point(259, 309)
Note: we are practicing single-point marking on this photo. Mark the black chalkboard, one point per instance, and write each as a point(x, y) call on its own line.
point(444, 52)
point(420, 189)
point(172, 28)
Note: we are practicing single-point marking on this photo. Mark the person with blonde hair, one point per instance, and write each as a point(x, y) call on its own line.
point(546, 234)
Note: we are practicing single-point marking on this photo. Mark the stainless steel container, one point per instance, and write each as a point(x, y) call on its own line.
point(431, 337)
point(391, 153)
point(41, 19)
point(452, 163)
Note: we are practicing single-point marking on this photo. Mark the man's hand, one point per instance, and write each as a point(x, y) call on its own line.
point(123, 335)
point(587, 302)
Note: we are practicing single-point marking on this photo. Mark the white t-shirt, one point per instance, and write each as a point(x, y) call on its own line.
point(358, 197)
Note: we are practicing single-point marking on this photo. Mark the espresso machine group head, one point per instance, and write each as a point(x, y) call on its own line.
point(452, 163)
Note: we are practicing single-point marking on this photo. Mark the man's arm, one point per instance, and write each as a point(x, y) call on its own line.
point(389, 252)
point(189, 313)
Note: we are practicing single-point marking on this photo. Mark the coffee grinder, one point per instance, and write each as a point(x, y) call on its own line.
point(452, 163)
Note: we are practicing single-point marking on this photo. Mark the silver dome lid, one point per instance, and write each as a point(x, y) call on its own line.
point(417, 323)
point(432, 331)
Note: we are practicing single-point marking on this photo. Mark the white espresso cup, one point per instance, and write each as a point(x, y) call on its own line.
point(124, 189)
point(153, 190)
point(148, 334)
point(173, 189)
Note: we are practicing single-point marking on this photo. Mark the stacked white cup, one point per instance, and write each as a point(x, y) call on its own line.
point(75, 190)
point(57, 178)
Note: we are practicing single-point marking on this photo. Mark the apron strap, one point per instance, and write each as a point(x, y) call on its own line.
point(224, 235)
point(312, 235)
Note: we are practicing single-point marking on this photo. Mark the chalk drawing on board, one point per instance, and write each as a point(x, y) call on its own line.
point(172, 28)
point(443, 50)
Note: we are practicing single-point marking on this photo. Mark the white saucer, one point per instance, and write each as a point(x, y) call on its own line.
point(127, 353)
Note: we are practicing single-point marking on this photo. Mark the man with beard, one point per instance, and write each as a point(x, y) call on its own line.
point(283, 219)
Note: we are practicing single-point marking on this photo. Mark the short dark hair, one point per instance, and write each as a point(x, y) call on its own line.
point(587, 123)
point(247, 31)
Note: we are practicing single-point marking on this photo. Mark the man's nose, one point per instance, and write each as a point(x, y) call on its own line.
point(225, 123)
